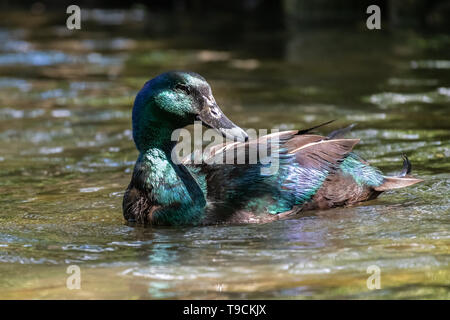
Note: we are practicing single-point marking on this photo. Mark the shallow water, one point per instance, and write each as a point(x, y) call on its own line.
point(66, 156)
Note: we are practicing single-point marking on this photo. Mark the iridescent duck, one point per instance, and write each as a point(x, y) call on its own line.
point(314, 172)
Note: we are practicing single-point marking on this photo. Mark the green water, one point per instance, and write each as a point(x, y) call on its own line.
point(66, 157)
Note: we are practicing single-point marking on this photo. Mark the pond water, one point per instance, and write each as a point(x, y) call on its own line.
point(66, 157)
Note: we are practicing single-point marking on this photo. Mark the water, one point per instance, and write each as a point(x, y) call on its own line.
point(66, 154)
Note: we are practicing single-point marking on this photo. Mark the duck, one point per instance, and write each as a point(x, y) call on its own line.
point(313, 172)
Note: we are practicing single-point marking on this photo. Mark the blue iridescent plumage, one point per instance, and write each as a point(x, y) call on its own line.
point(312, 171)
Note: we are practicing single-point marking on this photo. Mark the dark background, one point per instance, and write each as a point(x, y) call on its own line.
point(272, 13)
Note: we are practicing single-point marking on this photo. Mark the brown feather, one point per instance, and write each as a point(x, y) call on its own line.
point(340, 190)
point(299, 141)
point(136, 205)
point(397, 182)
point(324, 152)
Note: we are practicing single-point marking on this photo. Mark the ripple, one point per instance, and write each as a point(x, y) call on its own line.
point(135, 244)
point(114, 16)
point(390, 98)
point(48, 58)
point(54, 150)
point(62, 113)
point(407, 82)
point(366, 117)
point(6, 258)
point(91, 189)
point(8, 113)
point(109, 44)
point(444, 91)
point(430, 64)
point(36, 58)
point(86, 248)
point(20, 84)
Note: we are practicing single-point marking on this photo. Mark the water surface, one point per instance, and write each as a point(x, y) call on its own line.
point(66, 157)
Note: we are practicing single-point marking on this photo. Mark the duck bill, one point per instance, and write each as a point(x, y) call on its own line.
point(212, 117)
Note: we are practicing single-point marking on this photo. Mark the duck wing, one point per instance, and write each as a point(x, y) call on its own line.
point(293, 166)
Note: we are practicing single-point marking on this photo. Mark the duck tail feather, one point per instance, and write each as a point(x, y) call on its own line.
point(339, 133)
point(305, 131)
point(401, 181)
point(406, 170)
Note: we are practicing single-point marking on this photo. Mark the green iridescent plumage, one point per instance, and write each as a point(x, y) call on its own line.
point(362, 173)
point(313, 171)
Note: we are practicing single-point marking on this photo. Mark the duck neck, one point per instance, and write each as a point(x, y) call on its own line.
point(153, 140)
point(158, 169)
point(171, 184)
point(155, 135)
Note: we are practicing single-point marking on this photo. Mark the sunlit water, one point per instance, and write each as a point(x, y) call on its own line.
point(66, 157)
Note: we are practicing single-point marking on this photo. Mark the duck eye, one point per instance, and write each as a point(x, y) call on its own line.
point(183, 87)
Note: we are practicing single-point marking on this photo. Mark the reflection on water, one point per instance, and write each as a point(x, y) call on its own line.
point(66, 153)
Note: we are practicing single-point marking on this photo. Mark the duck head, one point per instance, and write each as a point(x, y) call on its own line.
point(174, 100)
